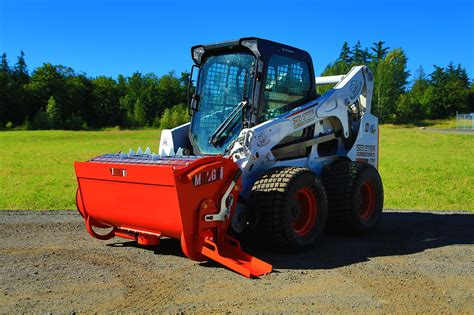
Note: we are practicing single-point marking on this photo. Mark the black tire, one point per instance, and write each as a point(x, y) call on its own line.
point(292, 208)
point(355, 196)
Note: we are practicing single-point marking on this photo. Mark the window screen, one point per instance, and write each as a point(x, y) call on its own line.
point(287, 83)
point(221, 88)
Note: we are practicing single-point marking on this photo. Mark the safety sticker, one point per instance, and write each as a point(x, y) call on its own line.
point(365, 151)
point(303, 118)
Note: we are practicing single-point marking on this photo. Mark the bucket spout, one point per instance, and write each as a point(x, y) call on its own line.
point(229, 254)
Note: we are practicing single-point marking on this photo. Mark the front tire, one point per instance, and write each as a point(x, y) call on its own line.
point(292, 208)
point(355, 196)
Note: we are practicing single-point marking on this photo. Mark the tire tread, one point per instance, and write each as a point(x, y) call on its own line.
point(268, 196)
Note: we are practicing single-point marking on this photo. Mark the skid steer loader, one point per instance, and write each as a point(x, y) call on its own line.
point(263, 156)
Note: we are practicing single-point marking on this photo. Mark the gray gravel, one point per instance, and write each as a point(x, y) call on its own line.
point(414, 262)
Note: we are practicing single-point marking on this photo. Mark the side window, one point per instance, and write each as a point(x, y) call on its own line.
point(287, 82)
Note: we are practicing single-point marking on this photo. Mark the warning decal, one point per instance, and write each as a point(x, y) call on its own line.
point(303, 118)
point(365, 153)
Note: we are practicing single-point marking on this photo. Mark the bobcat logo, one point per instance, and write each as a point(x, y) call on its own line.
point(354, 87)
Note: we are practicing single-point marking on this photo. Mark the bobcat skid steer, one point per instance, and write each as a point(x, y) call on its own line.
point(263, 155)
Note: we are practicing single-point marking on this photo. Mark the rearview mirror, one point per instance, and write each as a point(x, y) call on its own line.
point(193, 77)
point(193, 106)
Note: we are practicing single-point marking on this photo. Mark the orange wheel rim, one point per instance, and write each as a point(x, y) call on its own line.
point(367, 207)
point(305, 212)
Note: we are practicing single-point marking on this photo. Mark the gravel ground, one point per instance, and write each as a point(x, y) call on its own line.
point(416, 262)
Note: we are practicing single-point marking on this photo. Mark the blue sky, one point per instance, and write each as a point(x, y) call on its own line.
point(111, 37)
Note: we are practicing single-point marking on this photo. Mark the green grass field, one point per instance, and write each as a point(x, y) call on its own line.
point(427, 170)
point(36, 167)
point(429, 124)
point(420, 169)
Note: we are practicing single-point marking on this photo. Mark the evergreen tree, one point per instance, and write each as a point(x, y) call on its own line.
point(366, 56)
point(4, 66)
point(18, 103)
point(359, 54)
point(379, 51)
point(461, 75)
point(20, 70)
point(346, 54)
point(448, 91)
point(5, 85)
point(420, 83)
point(53, 113)
point(457, 73)
point(418, 91)
point(470, 99)
point(434, 94)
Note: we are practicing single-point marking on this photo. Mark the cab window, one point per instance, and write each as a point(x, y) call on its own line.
point(287, 84)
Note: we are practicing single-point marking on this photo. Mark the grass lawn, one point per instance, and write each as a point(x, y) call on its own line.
point(36, 167)
point(427, 170)
point(429, 124)
point(420, 169)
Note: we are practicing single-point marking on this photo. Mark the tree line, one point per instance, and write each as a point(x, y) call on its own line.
point(57, 97)
point(396, 100)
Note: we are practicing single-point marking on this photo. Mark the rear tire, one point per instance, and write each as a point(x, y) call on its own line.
point(355, 196)
point(292, 208)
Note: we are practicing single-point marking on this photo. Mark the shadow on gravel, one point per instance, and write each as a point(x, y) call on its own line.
point(167, 246)
point(399, 233)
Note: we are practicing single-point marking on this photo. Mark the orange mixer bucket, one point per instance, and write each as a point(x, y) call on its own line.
point(146, 197)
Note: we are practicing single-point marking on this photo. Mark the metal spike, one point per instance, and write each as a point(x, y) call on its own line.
point(123, 155)
point(180, 151)
point(131, 153)
point(139, 151)
point(155, 156)
point(147, 151)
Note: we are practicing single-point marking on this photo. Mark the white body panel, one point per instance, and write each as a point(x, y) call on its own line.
point(173, 139)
